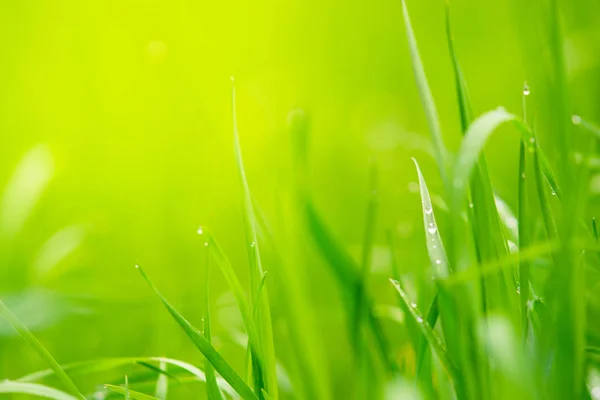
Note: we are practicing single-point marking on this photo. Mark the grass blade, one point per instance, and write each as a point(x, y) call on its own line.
point(39, 349)
point(236, 287)
point(268, 361)
point(433, 339)
point(33, 389)
point(162, 382)
point(127, 397)
point(524, 242)
point(428, 104)
point(224, 369)
point(212, 388)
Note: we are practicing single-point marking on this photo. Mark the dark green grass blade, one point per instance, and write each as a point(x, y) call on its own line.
point(35, 344)
point(426, 96)
point(33, 389)
point(218, 362)
point(212, 388)
point(129, 393)
point(267, 362)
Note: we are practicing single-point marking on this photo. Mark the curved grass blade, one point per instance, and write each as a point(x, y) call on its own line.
point(224, 369)
point(590, 127)
point(427, 101)
point(524, 241)
point(434, 341)
point(212, 388)
point(129, 394)
point(267, 362)
point(34, 389)
point(39, 349)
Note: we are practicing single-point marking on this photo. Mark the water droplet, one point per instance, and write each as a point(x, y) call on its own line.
point(394, 282)
point(523, 176)
point(200, 230)
point(205, 244)
point(428, 209)
point(471, 205)
point(432, 229)
point(526, 90)
point(253, 244)
point(420, 320)
point(435, 246)
point(576, 119)
point(232, 78)
point(438, 262)
point(413, 305)
point(137, 266)
point(532, 140)
point(553, 192)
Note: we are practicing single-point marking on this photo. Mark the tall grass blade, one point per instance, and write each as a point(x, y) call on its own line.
point(524, 241)
point(162, 382)
point(127, 397)
point(268, 362)
point(39, 349)
point(218, 362)
point(426, 96)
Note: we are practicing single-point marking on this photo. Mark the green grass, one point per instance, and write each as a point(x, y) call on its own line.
point(489, 303)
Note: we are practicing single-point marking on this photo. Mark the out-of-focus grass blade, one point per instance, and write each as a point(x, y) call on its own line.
point(108, 364)
point(236, 287)
point(435, 129)
point(224, 369)
point(162, 383)
point(212, 388)
point(127, 397)
point(39, 348)
point(589, 126)
point(24, 189)
point(595, 230)
point(33, 389)
point(524, 241)
point(434, 341)
point(125, 391)
point(268, 361)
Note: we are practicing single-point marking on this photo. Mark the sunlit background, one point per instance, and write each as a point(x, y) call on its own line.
point(115, 119)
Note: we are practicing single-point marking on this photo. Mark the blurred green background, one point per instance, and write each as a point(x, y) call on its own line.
point(117, 144)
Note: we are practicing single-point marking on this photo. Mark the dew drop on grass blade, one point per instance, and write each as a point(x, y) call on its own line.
point(32, 341)
point(224, 369)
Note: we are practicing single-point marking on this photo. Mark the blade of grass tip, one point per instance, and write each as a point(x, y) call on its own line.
point(212, 389)
point(162, 382)
point(434, 341)
point(33, 389)
point(589, 126)
point(426, 96)
point(218, 362)
point(37, 346)
point(268, 362)
point(129, 394)
point(127, 397)
point(236, 287)
point(595, 230)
